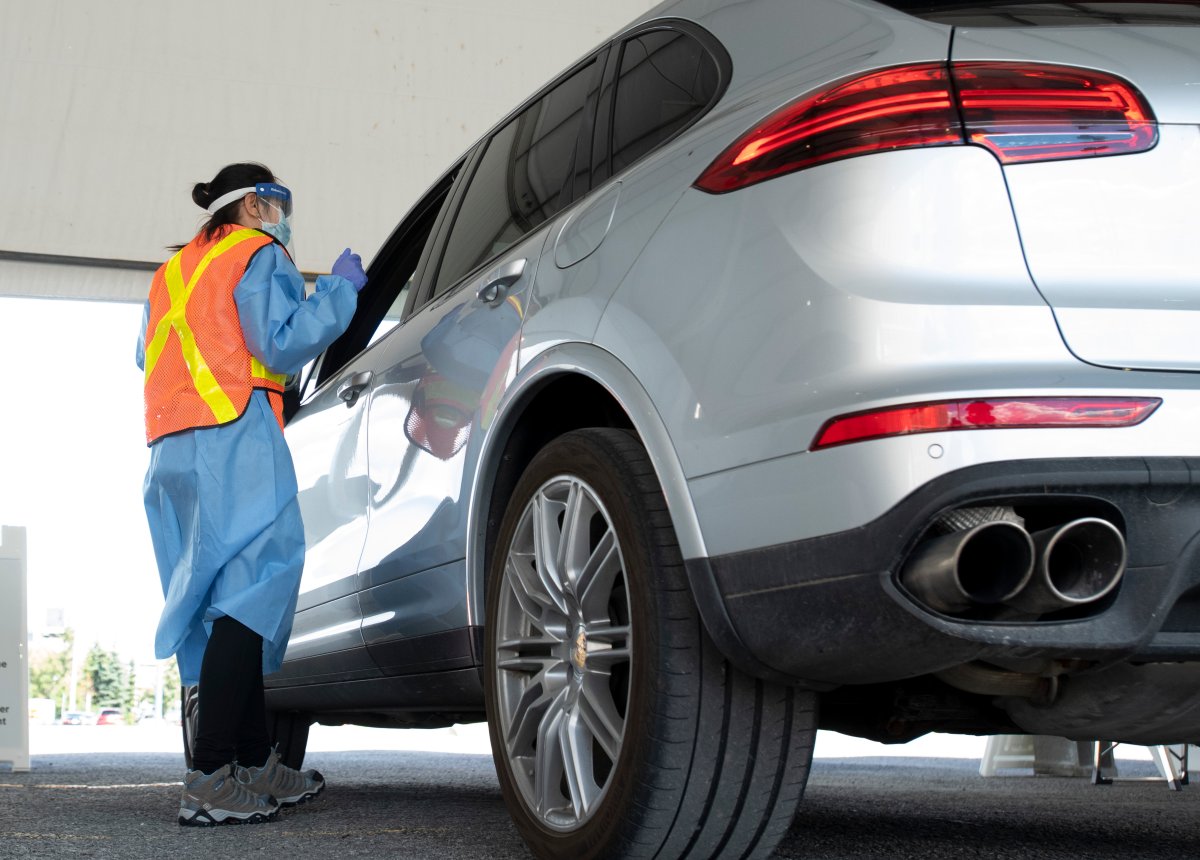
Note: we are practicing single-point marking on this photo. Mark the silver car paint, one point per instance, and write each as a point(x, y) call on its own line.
point(759, 505)
point(573, 357)
point(727, 387)
point(1111, 242)
point(329, 450)
point(777, 319)
point(420, 507)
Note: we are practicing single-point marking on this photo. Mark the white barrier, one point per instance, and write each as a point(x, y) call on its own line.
point(14, 656)
point(1051, 756)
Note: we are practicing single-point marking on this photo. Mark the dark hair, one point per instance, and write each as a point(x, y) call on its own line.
point(228, 178)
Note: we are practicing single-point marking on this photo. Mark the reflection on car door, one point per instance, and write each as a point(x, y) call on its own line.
point(328, 443)
point(447, 366)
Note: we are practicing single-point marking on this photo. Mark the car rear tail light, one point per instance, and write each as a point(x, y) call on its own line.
point(1040, 113)
point(896, 108)
point(986, 414)
point(1019, 111)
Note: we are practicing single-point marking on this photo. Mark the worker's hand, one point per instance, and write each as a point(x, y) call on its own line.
point(349, 266)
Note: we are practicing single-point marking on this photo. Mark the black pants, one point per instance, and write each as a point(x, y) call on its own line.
point(232, 720)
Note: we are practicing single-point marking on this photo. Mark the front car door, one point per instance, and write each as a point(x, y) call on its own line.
point(328, 439)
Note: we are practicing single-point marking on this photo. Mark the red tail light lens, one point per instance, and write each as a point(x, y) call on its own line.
point(892, 109)
point(1039, 113)
point(1021, 112)
point(989, 414)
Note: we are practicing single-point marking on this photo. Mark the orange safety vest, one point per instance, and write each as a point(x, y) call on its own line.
point(199, 371)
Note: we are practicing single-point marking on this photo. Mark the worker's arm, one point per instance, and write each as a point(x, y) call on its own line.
point(283, 329)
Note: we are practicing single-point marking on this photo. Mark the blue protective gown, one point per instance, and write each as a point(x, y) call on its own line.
point(221, 501)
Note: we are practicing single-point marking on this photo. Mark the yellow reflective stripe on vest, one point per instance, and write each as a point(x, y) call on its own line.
point(258, 370)
point(206, 384)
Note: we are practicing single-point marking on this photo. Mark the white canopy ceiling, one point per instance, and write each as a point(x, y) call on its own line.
point(112, 111)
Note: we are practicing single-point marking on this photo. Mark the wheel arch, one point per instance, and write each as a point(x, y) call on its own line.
point(567, 387)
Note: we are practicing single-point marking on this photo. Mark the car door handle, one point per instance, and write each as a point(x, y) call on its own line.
point(352, 386)
point(503, 278)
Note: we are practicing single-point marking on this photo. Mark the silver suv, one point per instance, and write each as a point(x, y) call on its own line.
point(775, 355)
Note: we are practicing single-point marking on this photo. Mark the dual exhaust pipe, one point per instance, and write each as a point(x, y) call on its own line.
point(1000, 563)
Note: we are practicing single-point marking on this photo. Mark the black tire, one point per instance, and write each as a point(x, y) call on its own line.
point(288, 730)
point(289, 734)
point(709, 762)
point(189, 719)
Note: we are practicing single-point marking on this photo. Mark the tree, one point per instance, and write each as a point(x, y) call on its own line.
point(171, 684)
point(50, 669)
point(107, 674)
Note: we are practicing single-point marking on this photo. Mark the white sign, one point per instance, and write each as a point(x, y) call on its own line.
point(14, 661)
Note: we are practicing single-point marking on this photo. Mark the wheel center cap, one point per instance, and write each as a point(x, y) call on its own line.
point(579, 650)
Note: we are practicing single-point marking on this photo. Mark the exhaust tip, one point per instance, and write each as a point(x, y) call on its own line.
point(981, 566)
point(1077, 563)
point(1084, 559)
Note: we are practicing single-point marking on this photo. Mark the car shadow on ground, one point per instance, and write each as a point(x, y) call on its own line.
point(393, 804)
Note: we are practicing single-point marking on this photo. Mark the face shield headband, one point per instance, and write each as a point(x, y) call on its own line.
point(271, 192)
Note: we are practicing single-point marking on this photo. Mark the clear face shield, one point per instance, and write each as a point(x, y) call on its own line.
point(275, 210)
point(274, 203)
point(278, 200)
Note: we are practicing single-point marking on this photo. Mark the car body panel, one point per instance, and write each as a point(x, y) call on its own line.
point(757, 505)
point(807, 44)
point(418, 622)
point(1110, 241)
point(545, 360)
point(442, 374)
point(821, 296)
point(725, 330)
point(328, 445)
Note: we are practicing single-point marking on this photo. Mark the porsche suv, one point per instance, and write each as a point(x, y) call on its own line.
point(777, 366)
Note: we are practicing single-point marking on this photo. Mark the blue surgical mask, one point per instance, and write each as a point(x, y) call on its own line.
point(281, 230)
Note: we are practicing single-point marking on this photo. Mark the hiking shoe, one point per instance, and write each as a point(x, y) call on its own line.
point(275, 778)
point(221, 798)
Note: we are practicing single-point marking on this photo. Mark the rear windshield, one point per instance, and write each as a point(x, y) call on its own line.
point(1006, 13)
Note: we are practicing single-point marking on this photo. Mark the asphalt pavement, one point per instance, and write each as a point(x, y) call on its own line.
point(403, 802)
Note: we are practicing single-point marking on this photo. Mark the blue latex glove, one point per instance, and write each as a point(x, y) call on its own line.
point(349, 266)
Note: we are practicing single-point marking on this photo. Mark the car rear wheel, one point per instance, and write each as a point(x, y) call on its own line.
point(189, 719)
point(617, 728)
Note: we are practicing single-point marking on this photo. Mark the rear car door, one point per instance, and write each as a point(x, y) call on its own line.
point(447, 367)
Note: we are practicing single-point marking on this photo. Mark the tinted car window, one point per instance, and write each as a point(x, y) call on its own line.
point(1006, 13)
point(381, 303)
point(521, 180)
point(666, 80)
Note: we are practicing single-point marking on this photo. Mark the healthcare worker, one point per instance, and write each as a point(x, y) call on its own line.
point(226, 322)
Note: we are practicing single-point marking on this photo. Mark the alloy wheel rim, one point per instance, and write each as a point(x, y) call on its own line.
point(563, 653)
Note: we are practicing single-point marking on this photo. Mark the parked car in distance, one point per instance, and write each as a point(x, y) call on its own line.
point(77, 718)
point(779, 365)
point(110, 717)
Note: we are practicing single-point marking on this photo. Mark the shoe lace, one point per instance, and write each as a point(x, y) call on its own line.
point(277, 776)
point(239, 788)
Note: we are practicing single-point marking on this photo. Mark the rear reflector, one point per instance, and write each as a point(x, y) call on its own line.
point(1019, 111)
point(989, 414)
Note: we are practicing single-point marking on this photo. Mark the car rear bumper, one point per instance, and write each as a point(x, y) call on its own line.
point(829, 610)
